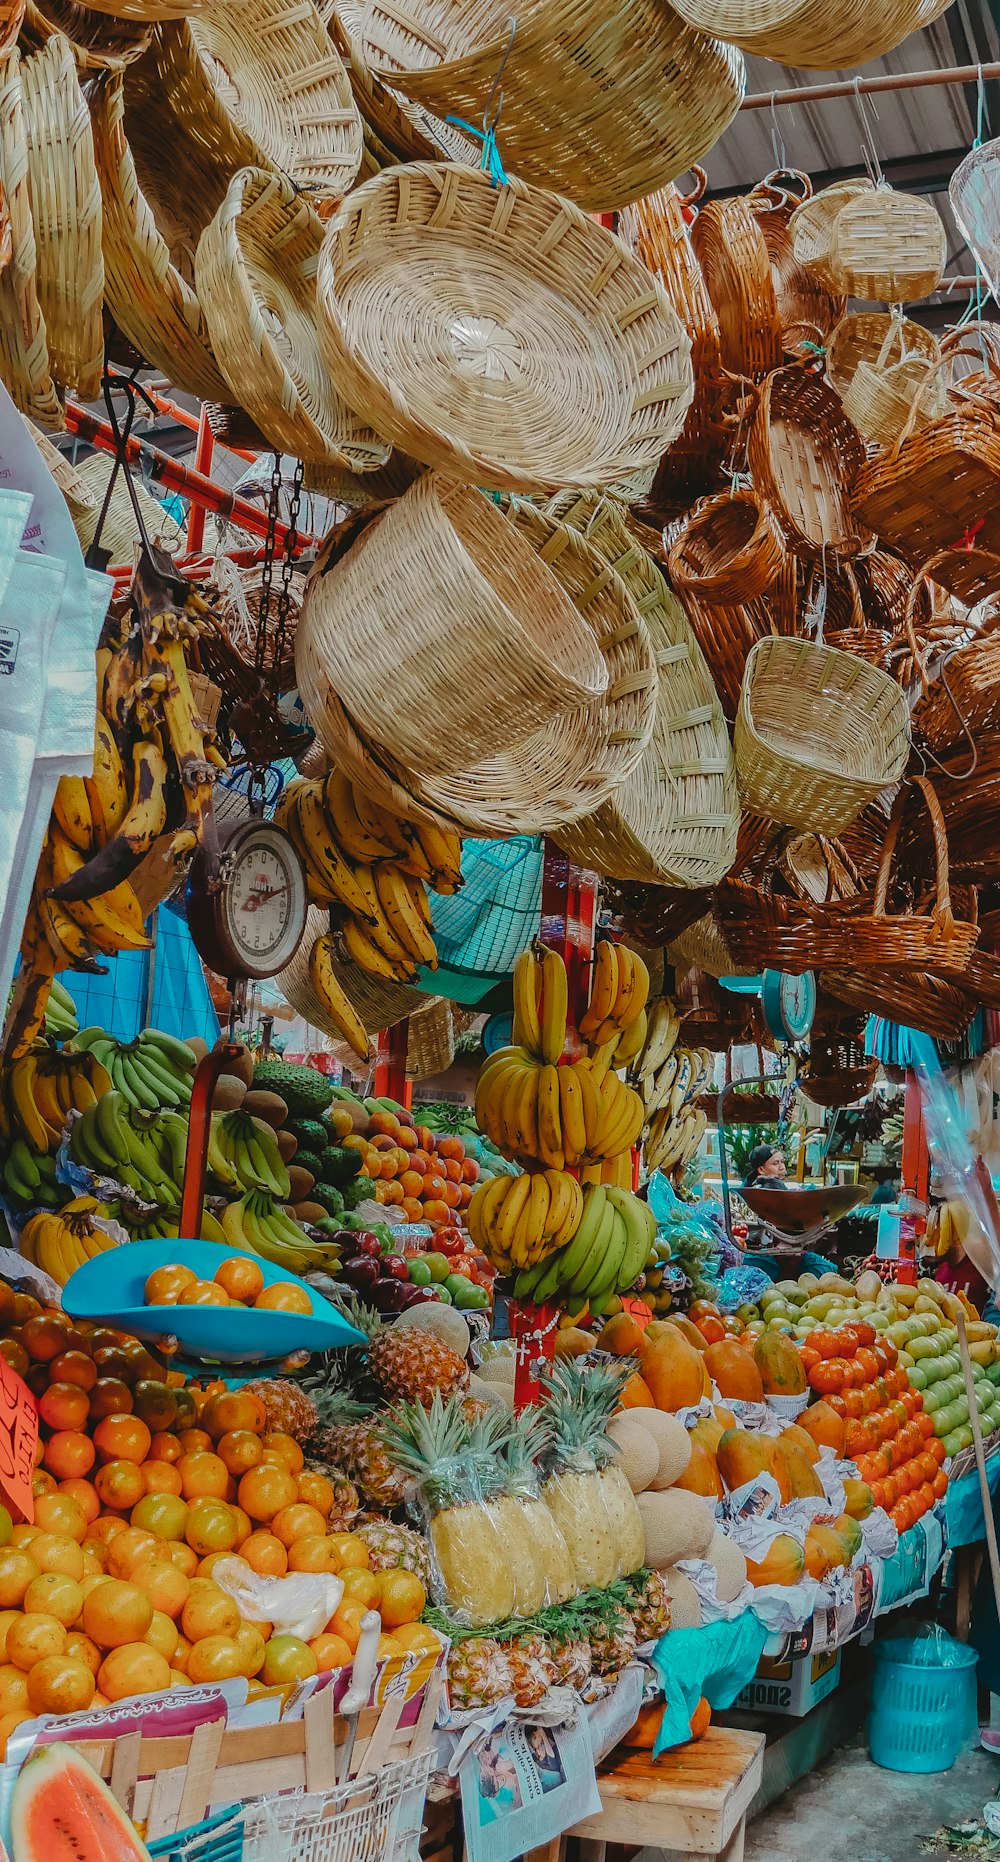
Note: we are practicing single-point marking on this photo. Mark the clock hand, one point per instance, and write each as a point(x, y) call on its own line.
point(255, 900)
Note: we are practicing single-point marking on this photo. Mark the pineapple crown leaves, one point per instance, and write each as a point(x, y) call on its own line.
point(364, 1317)
point(527, 1438)
point(431, 1445)
point(579, 1403)
point(487, 1441)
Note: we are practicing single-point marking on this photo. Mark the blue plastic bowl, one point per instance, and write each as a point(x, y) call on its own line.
point(111, 1286)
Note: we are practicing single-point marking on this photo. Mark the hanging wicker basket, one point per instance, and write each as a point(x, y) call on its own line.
point(804, 457)
point(603, 100)
point(255, 275)
point(11, 17)
point(120, 532)
point(100, 41)
point(807, 312)
point(818, 734)
point(812, 230)
point(725, 636)
point(915, 999)
point(66, 210)
point(236, 600)
point(730, 549)
point(736, 267)
point(810, 33)
point(79, 496)
point(25, 366)
point(430, 1039)
point(504, 337)
point(860, 338)
point(889, 246)
point(973, 191)
point(405, 130)
point(884, 393)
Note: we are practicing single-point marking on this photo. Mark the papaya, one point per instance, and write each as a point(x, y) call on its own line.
point(859, 1499)
point(828, 1549)
point(709, 1431)
point(734, 1372)
point(701, 1474)
point(637, 1393)
point(725, 1416)
point(672, 1370)
point(800, 1438)
point(687, 1329)
point(828, 1430)
point(706, 1381)
point(779, 1362)
point(62, 1810)
point(642, 1733)
point(802, 1477)
point(743, 1457)
point(701, 1719)
point(622, 1336)
point(851, 1534)
point(783, 1563)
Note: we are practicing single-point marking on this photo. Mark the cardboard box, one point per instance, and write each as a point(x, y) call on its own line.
point(792, 1687)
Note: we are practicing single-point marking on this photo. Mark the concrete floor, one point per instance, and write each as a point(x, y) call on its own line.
point(848, 1810)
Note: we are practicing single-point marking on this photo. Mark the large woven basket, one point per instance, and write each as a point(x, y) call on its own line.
point(158, 192)
point(500, 335)
point(24, 351)
point(736, 267)
point(480, 646)
point(812, 229)
point(807, 311)
point(809, 32)
point(730, 549)
point(260, 83)
point(805, 457)
point(255, 274)
point(674, 821)
point(430, 1039)
point(889, 246)
point(915, 999)
point(818, 734)
point(379, 1004)
point(66, 210)
point(603, 100)
point(404, 129)
point(936, 494)
point(11, 16)
point(100, 41)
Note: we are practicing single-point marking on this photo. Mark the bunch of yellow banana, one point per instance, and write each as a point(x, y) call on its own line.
point(372, 869)
point(335, 999)
point(59, 1244)
point(618, 993)
point(541, 995)
point(42, 1087)
point(673, 1139)
point(575, 1114)
point(686, 1072)
point(615, 1170)
point(517, 1221)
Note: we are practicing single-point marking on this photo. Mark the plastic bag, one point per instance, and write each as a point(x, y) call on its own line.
point(299, 1605)
point(471, 1570)
point(927, 1646)
point(540, 1558)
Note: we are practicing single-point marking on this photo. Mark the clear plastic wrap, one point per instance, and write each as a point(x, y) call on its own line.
point(471, 1572)
point(299, 1605)
point(578, 1407)
point(543, 1568)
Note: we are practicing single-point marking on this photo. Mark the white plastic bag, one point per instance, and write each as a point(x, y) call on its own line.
point(299, 1605)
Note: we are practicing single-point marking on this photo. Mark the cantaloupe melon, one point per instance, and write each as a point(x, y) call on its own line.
point(62, 1811)
point(677, 1525)
point(685, 1603)
point(638, 1452)
point(674, 1444)
point(730, 1567)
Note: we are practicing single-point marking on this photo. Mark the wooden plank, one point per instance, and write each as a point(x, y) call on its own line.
point(692, 1800)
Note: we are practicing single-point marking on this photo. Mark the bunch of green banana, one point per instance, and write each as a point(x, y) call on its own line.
point(142, 1150)
point(59, 1244)
point(30, 1177)
point(164, 1225)
point(154, 1070)
point(606, 1255)
point(42, 1087)
point(243, 1152)
point(60, 1013)
point(254, 1222)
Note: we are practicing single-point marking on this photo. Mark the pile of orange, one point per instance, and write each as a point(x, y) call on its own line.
point(426, 1174)
point(142, 1484)
point(237, 1281)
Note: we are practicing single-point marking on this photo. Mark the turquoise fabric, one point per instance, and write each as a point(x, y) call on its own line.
point(181, 1004)
point(963, 1506)
point(716, 1660)
point(482, 928)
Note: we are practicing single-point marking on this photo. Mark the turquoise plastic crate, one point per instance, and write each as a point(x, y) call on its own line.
point(215, 1839)
point(920, 1714)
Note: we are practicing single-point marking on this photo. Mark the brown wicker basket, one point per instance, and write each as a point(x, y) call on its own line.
point(839, 1073)
point(100, 41)
point(805, 457)
point(24, 351)
point(817, 869)
point(736, 267)
point(937, 491)
point(235, 598)
point(812, 230)
point(807, 312)
point(885, 391)
point(810, 33)
point(725, 636)
point(504, 337)
point(915, 999)
point(818, 734)
point(860, 338)
point(430, 1039)
point(730, 550)
point(66, 210)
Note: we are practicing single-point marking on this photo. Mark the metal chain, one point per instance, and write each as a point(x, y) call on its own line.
point(264, 609)
point(291, 539)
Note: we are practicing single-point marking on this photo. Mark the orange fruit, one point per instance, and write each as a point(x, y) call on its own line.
point(266, 1555)
point(229, 1410)
point(286, 1446)
point(265, 1490)
point(91, 1581)
point(162, 1634)
point(84, 1493)
point(80, 1648)
point(252, 1645)
point(154, 1403)
point(202, 1293)
point(61, 1514)
point(52, 1593)
point(240, 1277)
point(7, 1617)
point(244, 1524)
point(417, 1638)
point(122, 1438)
point(240, 1449)
point(44, 1336)
point(132, 1547)
point(9, 1721)
point(74, 1367)
point(15, 1354)
point(402, 1597)
point(13, 1688)
point(22, 1534)
point(34, 1637)
point(166, 1587)
point(165, 1285)
point(283, 1296)
point(209, 1612)
point(106, 1528)
point(133, 1668)
point(388, 1648)
point(160, 1477)
point(287, 1658)
point(42, 1482)
point(183, 1558)
point(362, 1586)
point(331, 1652)
point(165, 1515)
point(311, 1554)
point(110, 1397)
point(94, 1560)
point(64, 1406)
point(204, 1476)
point(60, 1684)
point(180, 1655)
point(215, 1658)
point(211, 1526)
point(17, 1568)
point(120, 1485)
point(315, 1490)
point(164, 1446)
point(194, 1441)
point(351, 1552)
point(346, 1621)
point(297, 1522)
point(51, 1552)
point(116, 1613)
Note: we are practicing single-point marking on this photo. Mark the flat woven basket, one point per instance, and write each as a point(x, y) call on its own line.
point(499, 334)
point(812, 229)
point(736, 267)
point(24, 351)
point(66, 210)
point(482, 638)
point(730, 549)
point(804, 457)
point(674, 820)
point(818, 734)
point(158, 192)
point(810, 33)
point(79, 496)
point(255, 276)
point(260, 83)
point(366, 35)
point(889, 246)
point(603, 100)
point(100, 41)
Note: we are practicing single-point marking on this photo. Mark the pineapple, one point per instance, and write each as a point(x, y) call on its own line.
point(571, 1659)
point(289, 1407)
point(346, 1498)
point(347, 1436)
point(613, 1644)
point(407, 1361)
point(579, 1404)
point(625, 1517)
point(472, 1569)
point(391, 1547)
point(532, 1669)
point(649, 1605)
point(543, 1568)
point(478, 1673)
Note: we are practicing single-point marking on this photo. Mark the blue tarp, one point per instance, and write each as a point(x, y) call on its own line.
point(963, 1506)
point(181, 1004)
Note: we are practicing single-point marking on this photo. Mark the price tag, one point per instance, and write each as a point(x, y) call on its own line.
point(18, 1441)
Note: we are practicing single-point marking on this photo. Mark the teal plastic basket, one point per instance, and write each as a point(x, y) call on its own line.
point(215, 1839)
point(921, 1710)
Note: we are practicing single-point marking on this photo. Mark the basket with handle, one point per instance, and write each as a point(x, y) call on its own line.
point(818, 734)
point(889, 247)
point(860, 338)
point(881, 394)
point(807, 311)
point(730, 549)
point(817, 868)
point(812, 230)
point(805, 456)
point(430, 1039)
point(914, 998)
point(674, 820)
point(960, 677)
point(736, 267)
point(839, 1071)
point(810, 33)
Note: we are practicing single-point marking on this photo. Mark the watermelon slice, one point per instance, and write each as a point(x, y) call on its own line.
point(61, 1811)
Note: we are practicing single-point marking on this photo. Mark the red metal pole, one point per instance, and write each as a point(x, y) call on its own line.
point(204, 449)
point(193, 422)
point(915, 1178)
point(199, 1119)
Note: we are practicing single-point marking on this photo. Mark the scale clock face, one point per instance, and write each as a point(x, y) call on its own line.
point(789, 1003)
point(253, 925)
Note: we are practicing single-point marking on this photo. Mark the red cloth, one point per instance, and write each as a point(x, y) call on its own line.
point(964, 1277)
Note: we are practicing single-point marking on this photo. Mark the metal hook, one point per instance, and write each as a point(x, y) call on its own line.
point(872, 162)
point(490, 122)
point(777, 140)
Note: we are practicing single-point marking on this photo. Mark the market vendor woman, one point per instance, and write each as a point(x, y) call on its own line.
point(765, 1168)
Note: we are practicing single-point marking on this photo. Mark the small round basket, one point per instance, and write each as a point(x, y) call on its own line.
point(499, 334)
point(66, 210)
point(24, 351)
point(730, 549)
point(812, 230)
point(860, 338)
point(255, 275)
point(889, 246)
point(818, 734)
point(736, 267)
point(885, 395)
point(804, 457)
point(482, 647)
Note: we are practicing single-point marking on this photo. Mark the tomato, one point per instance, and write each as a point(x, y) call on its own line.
point(867, 1334)
point(825, 1342)
point(827, 1376)
point(925, 1423)
point(854, 1403)
point(869, 1363)
point(712, 1330)
point(809, 1356)
point(937, 1448)
point(940, 1484)
point(703, 1309)
point(837, 1405)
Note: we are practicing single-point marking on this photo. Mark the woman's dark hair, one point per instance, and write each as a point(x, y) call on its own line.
point(758, 1158)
